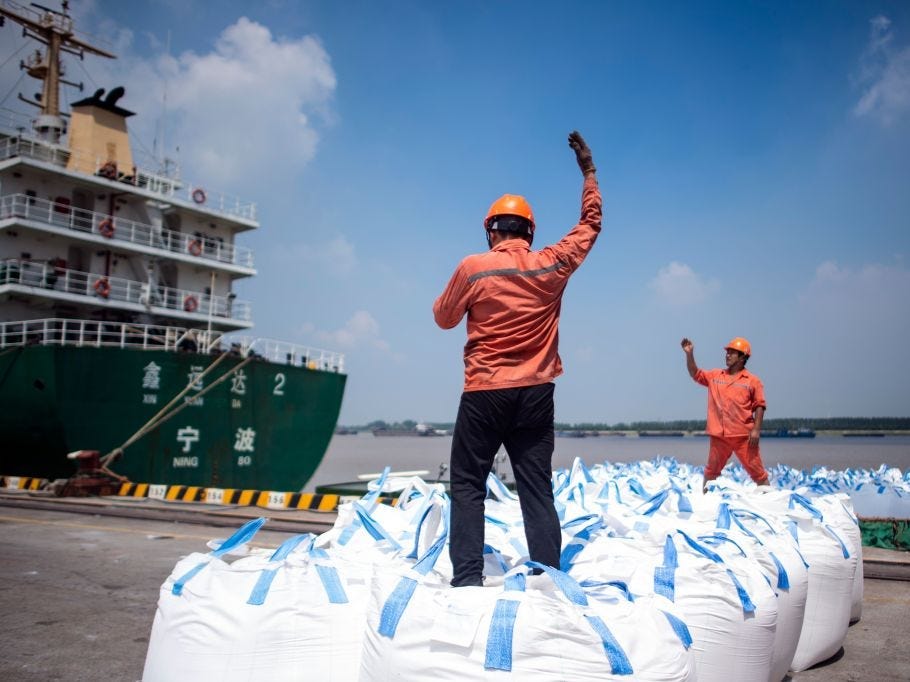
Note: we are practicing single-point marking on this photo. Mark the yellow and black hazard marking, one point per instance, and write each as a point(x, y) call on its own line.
point(24, 482)
point(134, 490)
point(270, 499)
point(229, 496)
point(314, 501)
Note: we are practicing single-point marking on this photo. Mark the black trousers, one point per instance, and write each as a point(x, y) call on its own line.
point(521, 419)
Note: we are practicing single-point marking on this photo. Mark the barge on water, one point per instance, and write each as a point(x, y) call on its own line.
point(788, 433)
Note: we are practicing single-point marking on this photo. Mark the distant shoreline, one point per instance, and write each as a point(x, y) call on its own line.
point(678, 433)
point(683, 433)
point(822, 426)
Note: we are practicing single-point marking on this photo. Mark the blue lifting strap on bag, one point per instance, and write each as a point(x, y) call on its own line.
point(261, 588)
point(243, 535)
point(397, 602)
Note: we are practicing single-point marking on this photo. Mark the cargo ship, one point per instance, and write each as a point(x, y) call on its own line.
point(120, 331)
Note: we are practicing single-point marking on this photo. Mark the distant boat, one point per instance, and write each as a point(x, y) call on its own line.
point(342, 431)
point(863, 434)
point(661, 434)
point(788, 433)
point(423, 430)
point(571, 434)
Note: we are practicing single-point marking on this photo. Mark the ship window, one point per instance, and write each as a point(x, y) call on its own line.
point(32, 196)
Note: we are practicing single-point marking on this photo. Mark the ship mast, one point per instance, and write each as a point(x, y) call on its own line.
point(55, 30)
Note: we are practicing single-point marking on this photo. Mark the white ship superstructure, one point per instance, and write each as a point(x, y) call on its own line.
point(116, 292)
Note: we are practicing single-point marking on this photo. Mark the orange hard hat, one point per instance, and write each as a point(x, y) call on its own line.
point(740, 344)
point(510, 204)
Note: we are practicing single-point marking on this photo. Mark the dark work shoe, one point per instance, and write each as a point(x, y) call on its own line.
point(467, 582)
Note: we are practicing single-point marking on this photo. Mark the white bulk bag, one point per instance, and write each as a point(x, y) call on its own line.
point(537, 628)
point(731, 614)
point(838, 510)
point(775, 547)
point(286, 617)
point(830, 593)
point(395, 524)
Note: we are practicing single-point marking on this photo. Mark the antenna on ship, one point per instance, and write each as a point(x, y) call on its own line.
point(160, 148)
point(55, 30)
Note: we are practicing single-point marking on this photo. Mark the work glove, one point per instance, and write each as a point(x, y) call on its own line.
point(582, 153)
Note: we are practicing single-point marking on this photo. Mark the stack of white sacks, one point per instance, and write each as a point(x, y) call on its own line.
point(657, 582)
point(876, 493)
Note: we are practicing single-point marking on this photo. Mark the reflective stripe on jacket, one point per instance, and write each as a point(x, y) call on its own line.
point(512, 297)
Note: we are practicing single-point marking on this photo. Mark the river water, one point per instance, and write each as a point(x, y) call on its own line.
point(351, 455)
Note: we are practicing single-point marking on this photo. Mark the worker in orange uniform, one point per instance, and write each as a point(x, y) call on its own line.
point(512, 297)
point(736, 407)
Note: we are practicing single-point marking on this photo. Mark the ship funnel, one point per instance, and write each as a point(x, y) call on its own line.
point(98, 135)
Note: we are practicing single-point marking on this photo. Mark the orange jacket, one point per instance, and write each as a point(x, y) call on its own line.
point(512, 297)
point(732, 401)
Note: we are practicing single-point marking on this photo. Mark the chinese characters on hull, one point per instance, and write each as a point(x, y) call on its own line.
point(188, 436)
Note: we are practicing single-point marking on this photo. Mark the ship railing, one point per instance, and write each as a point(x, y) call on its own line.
point(79, 220)
point(49, 275)
point(92, 333)
point(291, 354)
point(66, 332)
point(20, 144)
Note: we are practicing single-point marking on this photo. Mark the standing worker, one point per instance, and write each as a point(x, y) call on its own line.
point(736, 407)
point(512, 296)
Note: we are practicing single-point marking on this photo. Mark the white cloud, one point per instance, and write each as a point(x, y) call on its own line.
point(361, 331)
point(884, 76)
point(874, 291)
point(249, 108)
point(678, 284)
point(337, 258)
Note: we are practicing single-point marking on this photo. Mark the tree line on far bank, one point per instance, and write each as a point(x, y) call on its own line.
point(813, 423)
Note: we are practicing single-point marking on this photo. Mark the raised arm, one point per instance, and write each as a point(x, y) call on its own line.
point(582, 153)
point(573, 248)
point(689, 349)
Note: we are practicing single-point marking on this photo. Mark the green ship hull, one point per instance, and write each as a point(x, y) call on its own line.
point(266, 427)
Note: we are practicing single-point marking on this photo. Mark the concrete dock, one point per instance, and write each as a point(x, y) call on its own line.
point(79, 584)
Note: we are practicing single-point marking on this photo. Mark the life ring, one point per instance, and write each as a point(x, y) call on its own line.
point(106, 228)
point(108, 170)
point(190, 303)
point(103, 287)
point(199, 195)
point(195, 247)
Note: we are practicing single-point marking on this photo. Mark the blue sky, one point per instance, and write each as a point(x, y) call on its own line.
point(754, 159)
